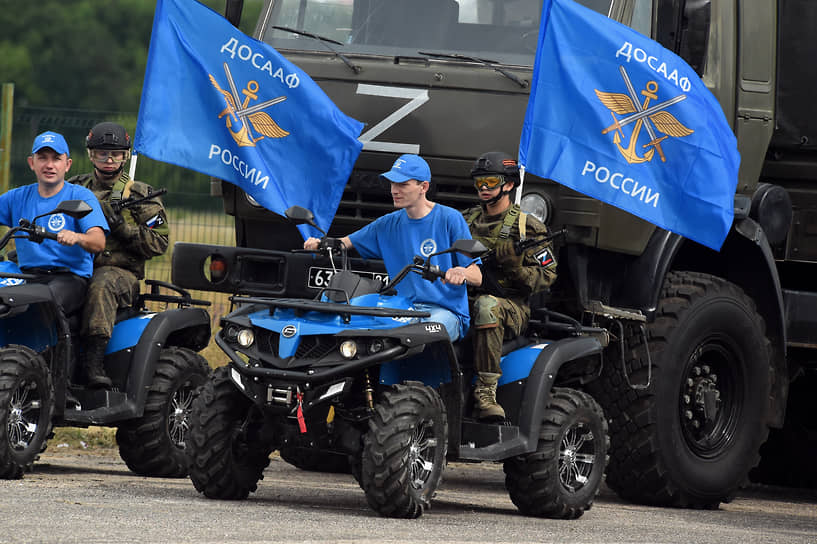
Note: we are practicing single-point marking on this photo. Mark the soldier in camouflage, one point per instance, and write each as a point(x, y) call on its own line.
point(499, 308)
point(137, 233)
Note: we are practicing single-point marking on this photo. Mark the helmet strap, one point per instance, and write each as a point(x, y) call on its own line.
point(109, 175)
point(497, 198)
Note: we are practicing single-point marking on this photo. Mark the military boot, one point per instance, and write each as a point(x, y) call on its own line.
point(486, 406)
point(92, 362)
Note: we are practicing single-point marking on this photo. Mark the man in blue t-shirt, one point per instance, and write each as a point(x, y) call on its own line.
point(420, 227)
point(67, 263)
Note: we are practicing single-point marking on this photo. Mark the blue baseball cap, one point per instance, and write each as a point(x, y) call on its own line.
point(408, 167)
point(50, 139)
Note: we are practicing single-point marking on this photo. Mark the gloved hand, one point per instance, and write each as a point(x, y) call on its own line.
point(506, 254)
point(114, 218)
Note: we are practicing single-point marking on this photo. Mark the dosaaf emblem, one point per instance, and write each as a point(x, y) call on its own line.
point(652, 118)
point(239, 112)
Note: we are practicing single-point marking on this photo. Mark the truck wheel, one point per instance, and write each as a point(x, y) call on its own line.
point(27, 401)
point(225, 463)
point(314, 460)
point(562, 477)
point(153, 445)
point(404, 451)
point(690, 439)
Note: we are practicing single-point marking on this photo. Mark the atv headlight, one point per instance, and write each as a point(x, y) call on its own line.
point(376, 346)
point(245, 338)
point(348, 349)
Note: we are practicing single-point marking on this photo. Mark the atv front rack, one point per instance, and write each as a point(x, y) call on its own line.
point(344, 310)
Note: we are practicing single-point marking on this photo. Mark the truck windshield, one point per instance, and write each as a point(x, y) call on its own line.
point(505, 31)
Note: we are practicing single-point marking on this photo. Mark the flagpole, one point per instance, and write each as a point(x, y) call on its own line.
point(521, 183)
point(132, 170)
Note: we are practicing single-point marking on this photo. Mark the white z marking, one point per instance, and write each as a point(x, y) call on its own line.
point(415, 97)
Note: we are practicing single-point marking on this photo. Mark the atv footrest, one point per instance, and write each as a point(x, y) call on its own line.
point(99, 406)
point(479, 435)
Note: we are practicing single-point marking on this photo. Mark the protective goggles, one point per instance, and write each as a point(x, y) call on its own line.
point(102, 155)
point(488, 182)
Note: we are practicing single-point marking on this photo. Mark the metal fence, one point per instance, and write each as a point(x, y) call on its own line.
point(206, 225)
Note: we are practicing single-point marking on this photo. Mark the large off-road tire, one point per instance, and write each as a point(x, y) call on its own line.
point(153, 445)
point(404, 451)
point(26, 409)
point(314, 460)
point(224, 462)
point(562, 477)
point(690, 439)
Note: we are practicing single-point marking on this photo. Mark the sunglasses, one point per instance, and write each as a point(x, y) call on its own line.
point(489, 182)
point(103, 155)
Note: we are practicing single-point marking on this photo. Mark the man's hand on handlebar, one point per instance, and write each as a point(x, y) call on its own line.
point(68, 237)
point(312, 243)
point(455, 275)
point(459, 275)
point(326, 243)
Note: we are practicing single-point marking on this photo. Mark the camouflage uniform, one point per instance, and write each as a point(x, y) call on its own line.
point(117, 270)
point(503, 312)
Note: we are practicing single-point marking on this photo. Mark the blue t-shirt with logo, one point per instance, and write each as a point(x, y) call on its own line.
point(26, 203)
point(396, 238)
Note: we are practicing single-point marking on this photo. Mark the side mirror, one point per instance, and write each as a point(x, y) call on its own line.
point(469, 248)
point(299, 215)
point(72, 208)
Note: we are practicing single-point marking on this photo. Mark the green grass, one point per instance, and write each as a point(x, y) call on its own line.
point(78, 438)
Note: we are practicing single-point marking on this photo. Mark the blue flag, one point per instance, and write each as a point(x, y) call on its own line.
point(615, 116)
point(219, 102)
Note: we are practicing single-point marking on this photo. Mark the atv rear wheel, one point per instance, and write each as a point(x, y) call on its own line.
point(225, 462)
point(27, 401)
point(562, 477)
point(690, 439)
point(404, 451)
point(153, 445)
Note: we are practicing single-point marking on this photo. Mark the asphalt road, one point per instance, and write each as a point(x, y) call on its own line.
point(91, 497)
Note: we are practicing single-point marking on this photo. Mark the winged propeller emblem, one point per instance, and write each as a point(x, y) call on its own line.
point(239, 113)
point(652, 118)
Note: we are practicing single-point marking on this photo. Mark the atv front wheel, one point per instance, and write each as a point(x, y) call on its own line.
point(404, 451)
point(225, 461)
point(561, 478)
point(153, 445)
point(27, 401)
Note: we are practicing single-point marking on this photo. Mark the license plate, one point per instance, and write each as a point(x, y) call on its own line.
point(320, 277)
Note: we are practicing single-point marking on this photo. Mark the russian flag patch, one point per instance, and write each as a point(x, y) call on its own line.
point(545, 258)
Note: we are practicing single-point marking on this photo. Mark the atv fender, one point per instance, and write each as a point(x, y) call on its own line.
point(537, 393)
point(183, 327)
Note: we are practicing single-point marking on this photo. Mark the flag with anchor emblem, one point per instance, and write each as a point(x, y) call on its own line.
point(219, 102)
point(614, 115)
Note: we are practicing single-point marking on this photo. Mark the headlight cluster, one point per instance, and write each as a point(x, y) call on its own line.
point(242, 336)
point(350, 348)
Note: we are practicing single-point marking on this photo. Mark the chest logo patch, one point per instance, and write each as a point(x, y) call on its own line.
point(427, 247)
point(56, 222)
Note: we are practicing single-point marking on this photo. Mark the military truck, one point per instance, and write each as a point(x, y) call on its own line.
point(710, 349)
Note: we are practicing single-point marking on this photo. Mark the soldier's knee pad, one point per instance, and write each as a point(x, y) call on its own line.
point(484, 313)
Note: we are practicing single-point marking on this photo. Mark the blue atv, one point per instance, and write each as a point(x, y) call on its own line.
point(152, 360)
point(357, 372)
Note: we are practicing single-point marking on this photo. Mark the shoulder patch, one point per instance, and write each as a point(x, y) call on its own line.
point(545, 258)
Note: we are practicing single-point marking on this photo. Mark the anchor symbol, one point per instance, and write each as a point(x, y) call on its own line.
point(247, 115)
point(651, 118)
